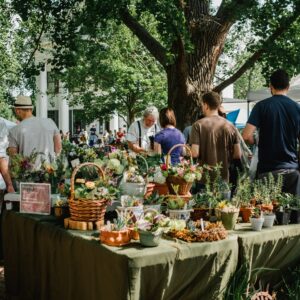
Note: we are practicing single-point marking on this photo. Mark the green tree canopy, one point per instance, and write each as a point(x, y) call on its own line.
point(189, 38)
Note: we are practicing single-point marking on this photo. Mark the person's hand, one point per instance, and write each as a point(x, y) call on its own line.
point(10, 188)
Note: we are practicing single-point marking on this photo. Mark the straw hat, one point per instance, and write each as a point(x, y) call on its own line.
point(23, 102)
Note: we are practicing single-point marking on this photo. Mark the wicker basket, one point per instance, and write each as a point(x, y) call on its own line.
point(183, 186)
point(86, 210)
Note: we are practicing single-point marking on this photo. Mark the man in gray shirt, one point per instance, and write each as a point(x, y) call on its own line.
point(33, 134)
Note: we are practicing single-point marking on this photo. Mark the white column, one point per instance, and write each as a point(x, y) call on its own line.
point(63, 115)
point(114, 122)
point(42, 100)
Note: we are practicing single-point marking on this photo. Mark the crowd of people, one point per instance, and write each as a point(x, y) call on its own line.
point(212, 138)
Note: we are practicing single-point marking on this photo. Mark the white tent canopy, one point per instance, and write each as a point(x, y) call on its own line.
point(294, 92)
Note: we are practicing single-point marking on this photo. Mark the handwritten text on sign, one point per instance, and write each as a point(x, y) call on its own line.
point(35, 198)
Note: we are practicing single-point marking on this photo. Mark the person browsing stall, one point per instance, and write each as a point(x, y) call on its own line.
point(169, 136)
point(214, 139)
point(278, 121)
point(140, 136)
point(33, 134)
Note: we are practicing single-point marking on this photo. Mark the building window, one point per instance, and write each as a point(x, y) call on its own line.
point(53, 114)
point(52, 83)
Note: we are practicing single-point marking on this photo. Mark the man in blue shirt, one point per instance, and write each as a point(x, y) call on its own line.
point(278, 120)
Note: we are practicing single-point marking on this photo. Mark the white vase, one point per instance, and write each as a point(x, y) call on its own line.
point(269, 221)
point(257, 223)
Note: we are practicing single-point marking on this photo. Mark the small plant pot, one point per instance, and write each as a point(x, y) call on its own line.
point(246, 213)
point(180, 214)
point(257, 223)
point(269, 221)
point(152, 206)
point(265, 207)
point(115, 238)
point(229, 219)
point(295, 216)
point(134, 234)
point(136, 210)
point(133, 189)
point(161, 189)
point(149, 189)
point(149, 239)
point(283, 217)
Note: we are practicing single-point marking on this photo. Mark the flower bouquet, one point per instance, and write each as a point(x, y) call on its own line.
point(182, 174)
point(89, 199)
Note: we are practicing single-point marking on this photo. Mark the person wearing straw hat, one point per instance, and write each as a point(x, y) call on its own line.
point(33, 134)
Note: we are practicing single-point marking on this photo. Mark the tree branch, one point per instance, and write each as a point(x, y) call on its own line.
point(255, 56)
point(154, 47)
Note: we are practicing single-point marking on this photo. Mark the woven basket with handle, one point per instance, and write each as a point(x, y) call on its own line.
point(86, 210)
point(172, 180)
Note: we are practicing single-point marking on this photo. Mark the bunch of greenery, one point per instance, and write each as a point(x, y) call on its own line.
point(154, 198)
point(243, 193)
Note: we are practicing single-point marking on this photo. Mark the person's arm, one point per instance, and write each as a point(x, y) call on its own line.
point(237, 153)
point(5, 174)
point(57, 143)
point(135, 147)
point(157, 148)
point(195, 150)
point(248, 133)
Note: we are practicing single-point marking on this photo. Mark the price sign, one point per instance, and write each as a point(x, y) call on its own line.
point(35, 198)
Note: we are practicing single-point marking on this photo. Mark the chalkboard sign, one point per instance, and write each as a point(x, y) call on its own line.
point(35, 198)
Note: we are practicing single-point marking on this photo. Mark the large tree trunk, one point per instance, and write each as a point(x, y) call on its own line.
point(192, 74)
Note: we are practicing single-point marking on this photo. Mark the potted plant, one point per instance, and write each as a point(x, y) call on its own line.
point(295, 210)
point(262, 195)
point(131, 204)
point(243, 197)
point(153, 201)
point(116, 234)
point(182, 175)
point(178, 208)
point(202, 206)
point(257, 219)
point(269, 218)
point(151, 227)
point(133, 183)
point(61, 208)
point(283, 210)
point(229, 216)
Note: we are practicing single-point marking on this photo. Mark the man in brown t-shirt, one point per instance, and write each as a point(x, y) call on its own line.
point(214, 140)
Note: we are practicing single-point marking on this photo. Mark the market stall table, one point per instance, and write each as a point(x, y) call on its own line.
point(276, 248)
point(45, 261)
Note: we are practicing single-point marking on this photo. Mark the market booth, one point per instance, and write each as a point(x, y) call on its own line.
point(45, 261)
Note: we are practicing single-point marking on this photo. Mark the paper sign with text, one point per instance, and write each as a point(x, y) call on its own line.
point(35, 198)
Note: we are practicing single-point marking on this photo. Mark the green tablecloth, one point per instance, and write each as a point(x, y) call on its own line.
point(277, 248)
point(45, 261)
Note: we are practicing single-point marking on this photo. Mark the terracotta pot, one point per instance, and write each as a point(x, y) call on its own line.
point(265, 207)
point(161, 189)
point(115, 238)
point(134, 234)
point(246, 213)
point(149, 189)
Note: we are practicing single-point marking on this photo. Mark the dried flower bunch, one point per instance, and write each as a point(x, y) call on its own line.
point(211, 232)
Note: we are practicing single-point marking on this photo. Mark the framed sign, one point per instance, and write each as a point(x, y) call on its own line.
point(35, 198)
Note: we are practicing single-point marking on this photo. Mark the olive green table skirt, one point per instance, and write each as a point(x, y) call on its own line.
point(45, 261)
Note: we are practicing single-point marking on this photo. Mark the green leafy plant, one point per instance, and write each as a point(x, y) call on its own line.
point(154, 198)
